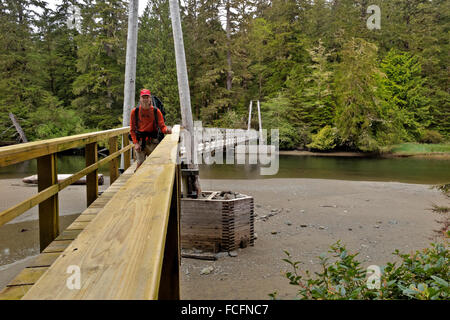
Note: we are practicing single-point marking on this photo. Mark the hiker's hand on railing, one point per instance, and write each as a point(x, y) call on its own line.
point(169, 130)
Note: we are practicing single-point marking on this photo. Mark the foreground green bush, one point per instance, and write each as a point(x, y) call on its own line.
point(423, 275)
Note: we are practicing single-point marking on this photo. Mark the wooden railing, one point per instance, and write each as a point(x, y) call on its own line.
point(130, 250)
point(48, 186)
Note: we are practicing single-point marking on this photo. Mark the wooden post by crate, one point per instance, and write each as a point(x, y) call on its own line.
point(48, 209)
point(114, 164)
point(91, 178)
point(127, 155)
point(169, 287)
point(217, 225)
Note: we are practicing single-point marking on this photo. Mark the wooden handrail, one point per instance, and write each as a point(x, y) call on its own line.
point(25, 151)
point(130, 250)
point(11, 213)
point(48, 186)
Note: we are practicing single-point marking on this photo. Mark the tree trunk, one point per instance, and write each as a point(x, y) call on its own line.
point(229, 73)
point(18, 127)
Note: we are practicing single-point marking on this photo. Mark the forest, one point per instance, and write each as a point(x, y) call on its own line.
point(324, 79)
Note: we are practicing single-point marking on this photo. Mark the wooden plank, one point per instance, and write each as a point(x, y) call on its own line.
point(114, 164)
point(68, 235)
point(14, 292)
point(91, 210)
point(28, 276)
point(44, 260)
point(120, 253)
point(169, 288)
point(57, 246)
point(200, 256)
point(48, 209)
point(85, 217)
point(78, 225)
point(127, 155)
point(91, 178)
point(17, 153)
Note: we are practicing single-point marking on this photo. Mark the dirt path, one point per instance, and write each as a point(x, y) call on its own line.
point(303, 216)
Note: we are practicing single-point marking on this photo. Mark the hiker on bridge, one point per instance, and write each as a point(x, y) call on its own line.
point(145, 122)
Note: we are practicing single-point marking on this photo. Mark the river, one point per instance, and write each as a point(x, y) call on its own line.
point(407, 170)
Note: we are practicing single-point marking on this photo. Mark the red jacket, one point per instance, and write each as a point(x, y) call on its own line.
point(146, 122)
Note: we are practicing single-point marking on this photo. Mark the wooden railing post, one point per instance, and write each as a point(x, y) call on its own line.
point(127, 155)
point(91, 178)
point(114, 164)
point(169, 286)
point(48, 209)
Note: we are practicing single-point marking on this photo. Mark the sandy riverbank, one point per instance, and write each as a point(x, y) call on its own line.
point(374, 218)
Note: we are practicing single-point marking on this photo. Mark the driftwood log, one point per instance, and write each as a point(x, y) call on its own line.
point(19, 130)
point(61, 177)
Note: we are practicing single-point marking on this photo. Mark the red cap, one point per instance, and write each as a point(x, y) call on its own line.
point(145, 92)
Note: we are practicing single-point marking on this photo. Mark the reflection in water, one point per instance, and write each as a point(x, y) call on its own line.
point(409, 170)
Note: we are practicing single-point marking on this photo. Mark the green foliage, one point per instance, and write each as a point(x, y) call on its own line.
point(359, 118)
point(406, 90)
point(311, 90)
point(101, 64)
point(324, 140)
point(304, 136)
point(386, 87)
point(274, 117)
point(230, 120)
point(422, 275)
point(430, 136)
point(416, 148)
point(55, 122)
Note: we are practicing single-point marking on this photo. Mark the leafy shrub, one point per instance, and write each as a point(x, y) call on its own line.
point(275, 116)
point(423, 275)
point(304, 137)
point(430, 136)
point(324, 140)
point(288, 136)
point(55, 122)
point(230, 119)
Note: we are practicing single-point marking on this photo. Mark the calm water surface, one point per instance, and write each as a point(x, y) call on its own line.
point(65, 164)
point(409, 170)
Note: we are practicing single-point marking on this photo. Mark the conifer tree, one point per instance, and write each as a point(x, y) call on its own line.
point(22, 76)
point(361, 120)
point(407, 91)
point(101, 63)
point(156, 68)
point(311, 91)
